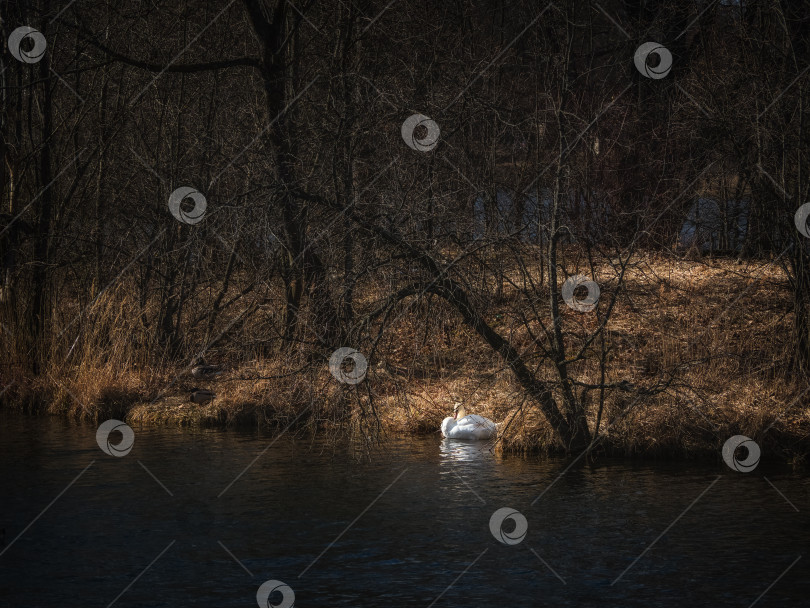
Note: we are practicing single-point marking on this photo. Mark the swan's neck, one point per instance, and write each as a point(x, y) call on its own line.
point(460, 412)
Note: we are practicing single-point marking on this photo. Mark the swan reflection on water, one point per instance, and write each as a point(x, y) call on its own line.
point(466, 468)
point(457, 450)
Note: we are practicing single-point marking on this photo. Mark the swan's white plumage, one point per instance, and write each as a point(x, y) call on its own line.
point(469, 427)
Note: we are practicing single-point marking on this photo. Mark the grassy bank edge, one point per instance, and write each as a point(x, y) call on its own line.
point(528, 436)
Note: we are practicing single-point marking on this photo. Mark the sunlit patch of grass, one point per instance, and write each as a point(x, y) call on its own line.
point(722, 328)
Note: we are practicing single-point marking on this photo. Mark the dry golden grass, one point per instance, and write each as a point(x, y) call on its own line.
point(722, 328)
point(725, 329)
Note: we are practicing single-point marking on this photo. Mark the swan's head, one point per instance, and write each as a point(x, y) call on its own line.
point(458, 410)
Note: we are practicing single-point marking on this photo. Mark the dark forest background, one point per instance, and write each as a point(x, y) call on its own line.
point(322, 228)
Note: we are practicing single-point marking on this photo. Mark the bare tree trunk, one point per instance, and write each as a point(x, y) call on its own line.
point(40, 304)
point(97, 235)
point(272, 28)
point(343, 169)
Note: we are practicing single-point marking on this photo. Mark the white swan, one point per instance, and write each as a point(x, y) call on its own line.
point(462, 426)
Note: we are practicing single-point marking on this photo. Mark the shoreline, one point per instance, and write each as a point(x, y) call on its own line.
point(780, 447)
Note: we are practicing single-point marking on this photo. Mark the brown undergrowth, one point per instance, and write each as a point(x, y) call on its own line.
point(716, 332)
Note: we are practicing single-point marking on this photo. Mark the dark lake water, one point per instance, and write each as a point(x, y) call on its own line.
point(409, 527)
